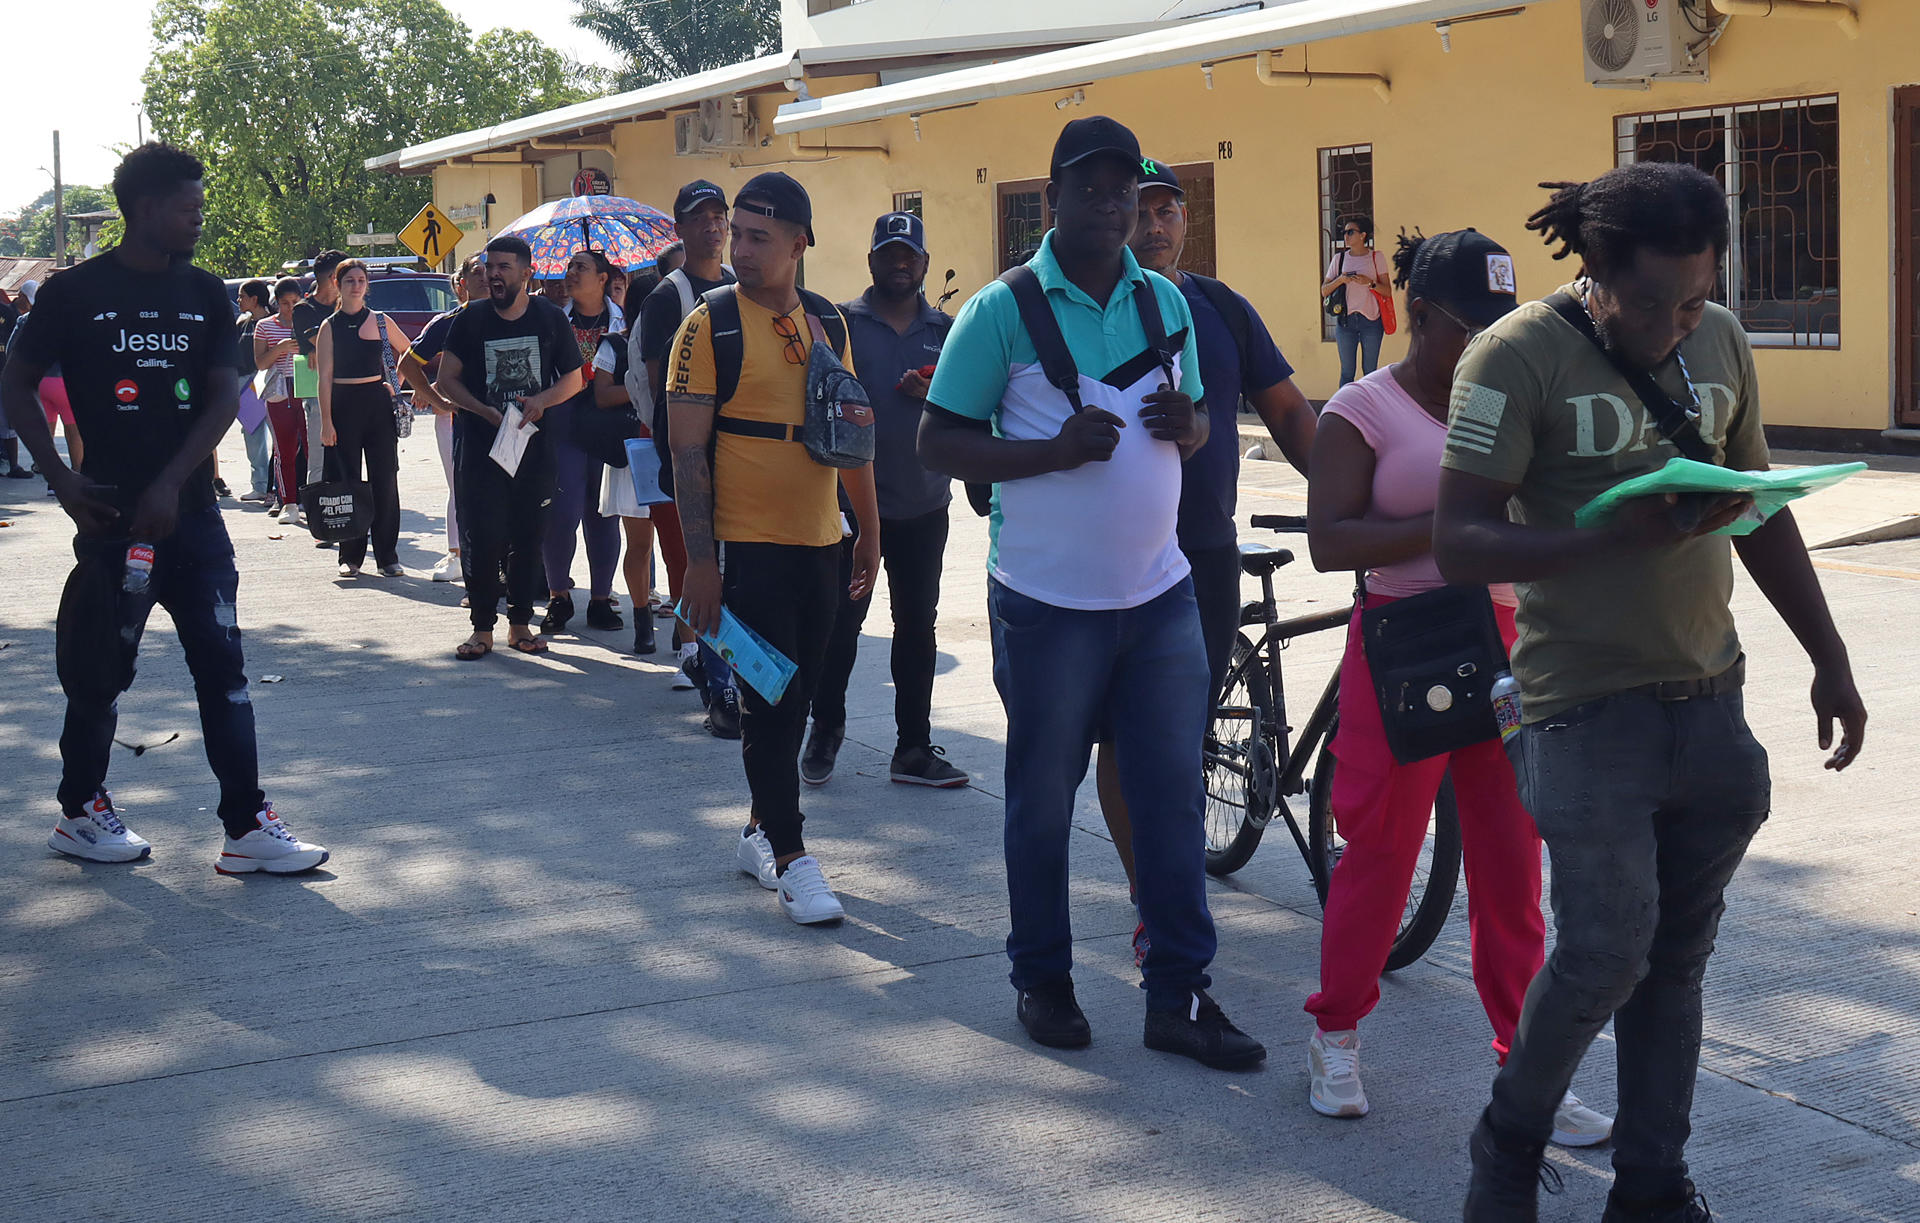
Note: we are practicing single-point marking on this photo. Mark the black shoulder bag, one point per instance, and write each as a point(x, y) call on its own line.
point(1434, 657)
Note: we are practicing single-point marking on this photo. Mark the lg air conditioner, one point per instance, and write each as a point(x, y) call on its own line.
point(1633, 41)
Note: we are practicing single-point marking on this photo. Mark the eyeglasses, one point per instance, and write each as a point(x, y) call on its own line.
point(1349, 231)
point(795, 351)
point(1457, 320)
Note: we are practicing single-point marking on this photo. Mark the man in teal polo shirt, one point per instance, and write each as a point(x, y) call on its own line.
point(1095, 632)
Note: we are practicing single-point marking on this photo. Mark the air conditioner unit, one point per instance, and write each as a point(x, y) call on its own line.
point(686, 136)
point(722, 126)
point(1636, 40)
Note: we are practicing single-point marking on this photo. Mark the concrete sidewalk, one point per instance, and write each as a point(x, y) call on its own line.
point(530, 984)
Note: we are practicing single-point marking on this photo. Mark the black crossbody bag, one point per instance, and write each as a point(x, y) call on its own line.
point(1434, 657)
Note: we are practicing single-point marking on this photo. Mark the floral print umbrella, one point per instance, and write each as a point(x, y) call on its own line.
point(629, 233)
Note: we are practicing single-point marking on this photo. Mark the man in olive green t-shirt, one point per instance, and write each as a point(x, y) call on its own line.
point(1635, 757)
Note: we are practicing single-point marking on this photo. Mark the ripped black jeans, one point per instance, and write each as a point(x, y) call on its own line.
point(98, 636)
point(1647, 807)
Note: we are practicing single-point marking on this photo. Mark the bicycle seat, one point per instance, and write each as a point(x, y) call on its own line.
point(1260, 560)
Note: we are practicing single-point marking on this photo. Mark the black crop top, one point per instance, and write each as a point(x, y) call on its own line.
point(354, 357)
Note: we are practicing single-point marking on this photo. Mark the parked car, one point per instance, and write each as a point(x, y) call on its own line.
point(401, 289)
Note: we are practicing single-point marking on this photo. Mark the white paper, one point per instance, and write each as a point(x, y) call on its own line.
point(510, 441)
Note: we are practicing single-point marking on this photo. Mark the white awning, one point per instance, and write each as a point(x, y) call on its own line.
point(635, 103)
point(1193, 42)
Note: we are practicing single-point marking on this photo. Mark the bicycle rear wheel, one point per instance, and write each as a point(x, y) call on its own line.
point(1238, 763)
point(1435, 876)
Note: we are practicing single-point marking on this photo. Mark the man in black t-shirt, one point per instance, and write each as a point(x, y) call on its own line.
point(512, 350)
point(700, 220)
point(148, 346)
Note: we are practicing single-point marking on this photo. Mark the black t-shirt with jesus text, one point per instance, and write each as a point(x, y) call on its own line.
point(136, 350)
point(503, 361)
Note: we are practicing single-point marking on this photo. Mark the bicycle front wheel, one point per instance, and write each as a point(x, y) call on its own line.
point(1435, 875)
point(1238, 762)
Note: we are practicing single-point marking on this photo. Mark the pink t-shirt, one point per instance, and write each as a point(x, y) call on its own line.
point(1360, 298)
point(1407, 443)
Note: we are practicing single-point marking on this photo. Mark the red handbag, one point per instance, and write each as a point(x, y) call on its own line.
point(1389, 321)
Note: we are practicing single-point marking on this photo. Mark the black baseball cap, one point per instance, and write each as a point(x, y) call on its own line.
point(1160, 174)
point(1092, 137)
point(1468, 273)
point(902, 227)
point(779, 196)
point(694, 194)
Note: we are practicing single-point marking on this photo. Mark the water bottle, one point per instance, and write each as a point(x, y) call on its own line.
point(1506, 706)
point(139, 569)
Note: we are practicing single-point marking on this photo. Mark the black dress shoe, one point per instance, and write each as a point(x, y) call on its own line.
point(1052, 1016)
point(823, 748)
point(600, 615)
point(559, 614)
point(1203, 1032)
point(643, 639)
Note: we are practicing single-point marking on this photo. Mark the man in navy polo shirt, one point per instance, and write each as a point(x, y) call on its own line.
point(1223, 321)
point(895, 335)
point(1093, 618)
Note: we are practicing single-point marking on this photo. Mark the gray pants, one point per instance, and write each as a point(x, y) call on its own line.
point(1646, 806)
point(316, 453)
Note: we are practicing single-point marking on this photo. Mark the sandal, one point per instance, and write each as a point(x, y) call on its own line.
point(529, 645)
point(467, 651)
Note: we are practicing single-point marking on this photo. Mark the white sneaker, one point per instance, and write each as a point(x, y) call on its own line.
point(97, 834)
point(290, 513)
point(805, 896)
point(683, 678)
point(448, 570)
point(1576, 1125)
point(1333, 1059)
point(754, 856)
point(271, 847)
point(255, 497)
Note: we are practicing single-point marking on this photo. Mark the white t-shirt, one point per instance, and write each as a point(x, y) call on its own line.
point(1360, 299)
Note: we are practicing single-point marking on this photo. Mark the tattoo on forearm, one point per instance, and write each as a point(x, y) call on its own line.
point(693, 494)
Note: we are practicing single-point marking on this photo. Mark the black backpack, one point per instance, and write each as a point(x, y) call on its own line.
point(1050, 346)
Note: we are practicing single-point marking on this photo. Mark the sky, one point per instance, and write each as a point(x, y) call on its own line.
point(91, 100)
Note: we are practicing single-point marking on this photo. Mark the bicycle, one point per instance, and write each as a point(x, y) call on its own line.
point(1251, 771)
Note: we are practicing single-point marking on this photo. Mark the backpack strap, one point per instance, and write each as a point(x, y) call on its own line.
point(1677, 424)
point(1147, 303)
point(1049, 343)
point(1232, 310)
point(827, 315)
point(684, 286)
point(729, 349)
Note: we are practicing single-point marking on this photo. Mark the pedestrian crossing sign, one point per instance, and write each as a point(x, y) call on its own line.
point(431, 234)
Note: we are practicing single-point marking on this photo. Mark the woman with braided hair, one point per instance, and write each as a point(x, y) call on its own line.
point(1634, 754)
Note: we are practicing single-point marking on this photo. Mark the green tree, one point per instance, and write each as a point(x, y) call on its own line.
point(29, 232)
point(284, 103)
point(661, 40)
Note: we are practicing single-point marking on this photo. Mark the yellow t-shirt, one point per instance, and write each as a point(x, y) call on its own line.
point(765, 490)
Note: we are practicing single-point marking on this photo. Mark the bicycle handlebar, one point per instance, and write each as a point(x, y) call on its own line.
point(1280, 522)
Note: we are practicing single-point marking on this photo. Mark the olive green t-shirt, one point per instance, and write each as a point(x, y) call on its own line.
point(1536, 405)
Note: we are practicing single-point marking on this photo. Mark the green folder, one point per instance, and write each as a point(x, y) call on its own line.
point(1770, 490)
point(306, 382)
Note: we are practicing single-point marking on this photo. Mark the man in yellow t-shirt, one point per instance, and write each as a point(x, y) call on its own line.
point(761, 518)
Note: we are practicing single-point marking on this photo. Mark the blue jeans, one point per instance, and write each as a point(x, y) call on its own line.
point(97, 637)
point(260, 457)
point(1647, 807)
point(1139, 677)
point(1358, 335)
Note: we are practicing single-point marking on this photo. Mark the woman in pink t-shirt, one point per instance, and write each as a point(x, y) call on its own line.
point(1376, 478)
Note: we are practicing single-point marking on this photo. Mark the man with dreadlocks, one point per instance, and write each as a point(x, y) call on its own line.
point(1634, 756)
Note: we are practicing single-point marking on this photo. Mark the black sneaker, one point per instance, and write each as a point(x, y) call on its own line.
point(220, 488)
point(1052, 1016)
point(1690, 1207)
point(926, 766)
point(823, 748)
point(601, 615)
point(1507, 1174)
point(17, 472)
point(723, 714)
point(1204, 1033)
point(643, 638)
point(559, 613)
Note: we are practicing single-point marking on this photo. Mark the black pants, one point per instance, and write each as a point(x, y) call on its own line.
point(363, 424)
point(503, 521)
point(913, 550)
point(98, 635)
point(1216, 592)
point(789, 595)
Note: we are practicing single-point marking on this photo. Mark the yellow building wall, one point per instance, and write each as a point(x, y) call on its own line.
point(1464, 140)
point(514, 187)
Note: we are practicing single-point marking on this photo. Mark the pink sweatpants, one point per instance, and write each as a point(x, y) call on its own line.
point(1381, 807)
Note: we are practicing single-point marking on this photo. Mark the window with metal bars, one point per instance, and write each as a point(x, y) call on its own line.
point(1779, 162)
point(1346, 189)
point(908, 201)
